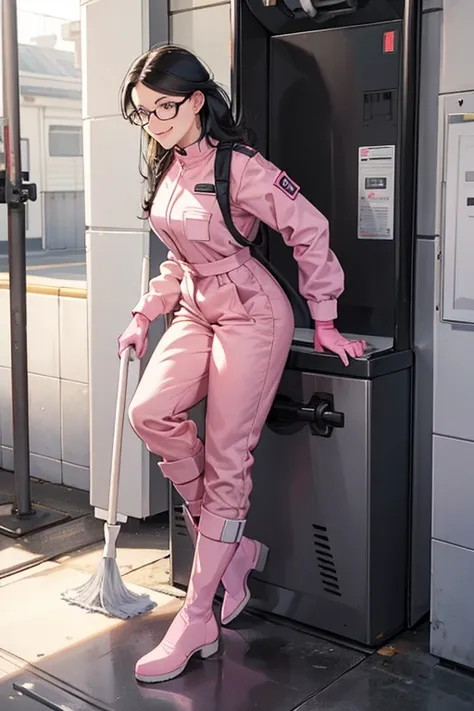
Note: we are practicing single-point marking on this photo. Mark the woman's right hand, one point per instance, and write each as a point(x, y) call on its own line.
point(135, 335)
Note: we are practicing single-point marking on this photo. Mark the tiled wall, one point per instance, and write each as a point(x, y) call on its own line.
point(117, 240)
point(58, 384)
point(452, 566)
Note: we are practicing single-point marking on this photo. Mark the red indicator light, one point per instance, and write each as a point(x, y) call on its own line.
point(389, 42)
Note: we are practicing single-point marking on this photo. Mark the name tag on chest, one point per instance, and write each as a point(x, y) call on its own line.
point(207, 188)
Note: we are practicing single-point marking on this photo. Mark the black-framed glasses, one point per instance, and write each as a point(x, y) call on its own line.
point(165, 112)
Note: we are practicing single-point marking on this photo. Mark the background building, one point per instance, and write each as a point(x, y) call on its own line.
point(51, 129)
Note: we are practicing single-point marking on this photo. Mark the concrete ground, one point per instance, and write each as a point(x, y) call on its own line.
point(58, 656)
point(67, 264)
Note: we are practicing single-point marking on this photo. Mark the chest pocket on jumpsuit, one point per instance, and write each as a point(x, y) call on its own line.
point(196, 224)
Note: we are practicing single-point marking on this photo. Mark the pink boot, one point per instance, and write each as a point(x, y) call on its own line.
point(195, 628)
point(250, 555)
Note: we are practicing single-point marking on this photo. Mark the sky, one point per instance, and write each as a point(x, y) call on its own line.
point(38, 17)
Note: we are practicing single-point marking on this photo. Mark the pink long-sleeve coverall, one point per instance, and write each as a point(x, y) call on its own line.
point(232, 327)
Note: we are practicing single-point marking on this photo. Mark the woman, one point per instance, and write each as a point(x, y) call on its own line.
point(231, 331)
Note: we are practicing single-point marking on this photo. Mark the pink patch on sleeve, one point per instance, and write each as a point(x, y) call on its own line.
point(287, 186)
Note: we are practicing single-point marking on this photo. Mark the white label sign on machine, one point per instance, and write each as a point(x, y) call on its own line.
point(457, 252)
point(376, 192)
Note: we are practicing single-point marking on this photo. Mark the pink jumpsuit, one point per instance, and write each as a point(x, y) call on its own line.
point(232, 327)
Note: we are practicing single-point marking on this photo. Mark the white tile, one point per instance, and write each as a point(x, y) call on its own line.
point(76, 477)
point(46, 469)
point(452, 612)
point(45, 420)
point(5, 355)
point(112, 37)
point(43, 334)
point(113, 183)
point(453, 383)
point(75, 422)
point(5, 407)
point(73, 339)
point(453, 491)
point(45, 434)
point(40, 467)
point(206, 32)
point(7, 459)
point(108, 317)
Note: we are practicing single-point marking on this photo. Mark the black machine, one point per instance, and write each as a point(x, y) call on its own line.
point(330, 88)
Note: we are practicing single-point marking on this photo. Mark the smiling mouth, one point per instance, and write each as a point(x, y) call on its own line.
point(163, 133)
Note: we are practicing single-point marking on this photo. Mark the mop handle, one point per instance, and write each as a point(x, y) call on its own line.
point(120, 415)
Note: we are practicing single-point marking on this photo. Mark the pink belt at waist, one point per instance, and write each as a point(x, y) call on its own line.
point(220, 266)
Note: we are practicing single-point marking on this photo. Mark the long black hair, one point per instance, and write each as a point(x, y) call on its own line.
point(175, 71)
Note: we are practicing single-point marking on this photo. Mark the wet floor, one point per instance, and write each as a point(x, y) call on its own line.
point(57, 656)
point(261, 665)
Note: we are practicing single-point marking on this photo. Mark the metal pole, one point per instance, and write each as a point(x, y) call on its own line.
point(17, 259)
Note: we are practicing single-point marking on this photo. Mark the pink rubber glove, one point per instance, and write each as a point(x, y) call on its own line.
point(135, 335)
point(326, 336)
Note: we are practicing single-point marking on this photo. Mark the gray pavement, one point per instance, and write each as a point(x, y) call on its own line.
point(55, 264)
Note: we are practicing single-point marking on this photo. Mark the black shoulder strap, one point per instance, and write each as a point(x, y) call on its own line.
point(222, 181)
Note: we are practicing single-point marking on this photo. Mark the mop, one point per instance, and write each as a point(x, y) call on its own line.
point(105, 592)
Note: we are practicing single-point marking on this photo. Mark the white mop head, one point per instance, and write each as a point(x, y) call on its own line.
point(105, 592)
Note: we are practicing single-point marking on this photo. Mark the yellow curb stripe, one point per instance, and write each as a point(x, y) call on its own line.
point(42, 267)
point(50, 290)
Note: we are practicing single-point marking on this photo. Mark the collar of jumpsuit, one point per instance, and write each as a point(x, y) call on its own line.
point(188, 221)
point(193, 153)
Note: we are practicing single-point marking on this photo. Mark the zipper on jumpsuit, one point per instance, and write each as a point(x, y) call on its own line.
point(167, 215)
point(179, 253)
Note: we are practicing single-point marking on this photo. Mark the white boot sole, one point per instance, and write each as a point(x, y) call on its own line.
point(259, 568)
point(207, 651)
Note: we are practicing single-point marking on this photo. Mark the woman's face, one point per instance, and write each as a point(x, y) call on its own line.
point(176, 118)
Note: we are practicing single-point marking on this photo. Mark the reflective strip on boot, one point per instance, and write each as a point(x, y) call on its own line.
point(221, 529)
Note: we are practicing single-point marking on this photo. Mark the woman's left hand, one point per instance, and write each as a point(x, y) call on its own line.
point(326, 336)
